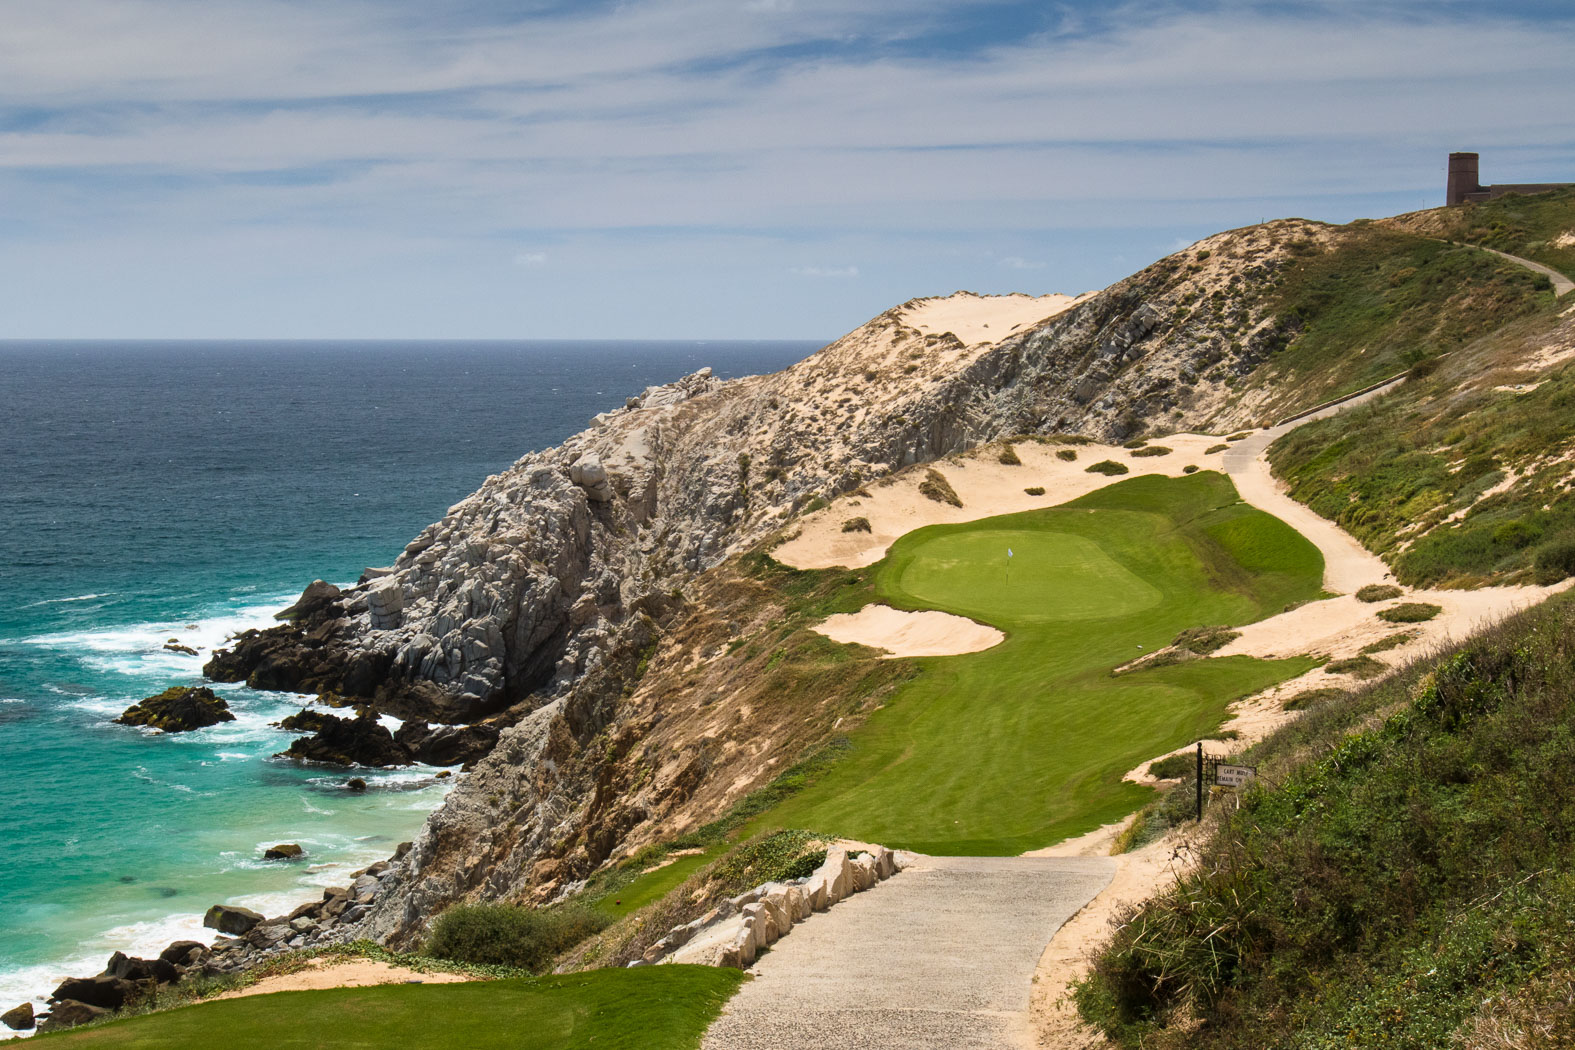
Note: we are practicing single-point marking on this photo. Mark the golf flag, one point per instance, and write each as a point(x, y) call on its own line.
point(1008, 552)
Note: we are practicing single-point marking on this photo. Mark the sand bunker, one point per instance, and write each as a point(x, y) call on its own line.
point(910, 633)
point(978, 319)
point(342, 973)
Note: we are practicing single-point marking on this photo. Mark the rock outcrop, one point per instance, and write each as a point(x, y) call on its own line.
point(359, 741)
point(179, 710)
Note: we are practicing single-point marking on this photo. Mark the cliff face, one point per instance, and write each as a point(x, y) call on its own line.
point(551, 586)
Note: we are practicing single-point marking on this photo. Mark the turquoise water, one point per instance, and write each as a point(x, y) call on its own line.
point(157, 491)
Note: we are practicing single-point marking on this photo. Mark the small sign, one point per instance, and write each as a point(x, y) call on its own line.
point(1234, 776)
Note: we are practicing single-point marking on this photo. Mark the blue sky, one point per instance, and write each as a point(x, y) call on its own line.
point(707, 169)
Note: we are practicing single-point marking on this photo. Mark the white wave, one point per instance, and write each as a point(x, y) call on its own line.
point(73, 598)
point(306, 804)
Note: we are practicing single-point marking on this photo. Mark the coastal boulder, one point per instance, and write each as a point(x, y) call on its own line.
point(110, 993)
point(312, 603)
point(185, 953)
point(131, 968)
point(284, 851)
point(446, 745)
point(589, 473)
point(179, 710)
point(230, 919)
point(69, 1013)
point(19, 1018)
point(359, 741)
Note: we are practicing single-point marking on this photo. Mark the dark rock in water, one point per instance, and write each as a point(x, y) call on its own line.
point(355, 784)
point(110, 993)
point(304, 721)
point(178, 710)
point(168, 891)
point(229, 919)
point(69, 1013)
point(19, 1018)
point(174, 646)
point(283, 851)
point(359, 741)
point(128, 878)
point(313, 602)
point(444, 774)
point(185, 953)
point(446, 745)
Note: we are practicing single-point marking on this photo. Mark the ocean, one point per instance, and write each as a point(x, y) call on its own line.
point(158, 491)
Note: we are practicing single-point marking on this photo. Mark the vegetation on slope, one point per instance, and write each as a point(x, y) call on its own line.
point(1025, 743)
point(1410, 473)
point(657, 1008)
point(1401, 875)
point(1536, 227)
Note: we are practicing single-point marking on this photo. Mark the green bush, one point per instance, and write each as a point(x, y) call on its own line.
point(1357, 666)
point(1555, 560)
point(1135, 443)
point(1067, 454)
point(1109, 467)
point(936, 487)
point(1378, 592)
point(1190, 468)
point(1150, 450)
point(856, 525)
point(1394, 641)
point(1410, 612)
point(1009, 456)
point(1035, 490)
point(1174, 767)
point(1204, 640)
point(1240, 435)
point(511, 935)
point(1215, 448)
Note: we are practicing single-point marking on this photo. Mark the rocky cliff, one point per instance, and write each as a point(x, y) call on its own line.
point(560, 583)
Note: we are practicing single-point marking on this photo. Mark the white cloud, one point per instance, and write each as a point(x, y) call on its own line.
point(530, 259)
point(1017, 262)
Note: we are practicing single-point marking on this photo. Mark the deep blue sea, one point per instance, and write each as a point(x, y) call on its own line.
point(158, 491)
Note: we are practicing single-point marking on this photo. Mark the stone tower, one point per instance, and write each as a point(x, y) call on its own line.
point(1463, 175)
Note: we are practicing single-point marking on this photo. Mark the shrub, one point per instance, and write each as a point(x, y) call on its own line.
point(1204, 640)
point(1174, 767)
point(856, 525)
point(937, 488)
point(1555, 560)
point(1394, 641)
point(510, 935)
point(815, 503)
point(1068, 454)
point(1377, 592)
point(1312, 698)
point(1357, 666)
point(1035, 490)
point(1239, 435)
point(1150, 450)
point(1008, 456)
point(1215, 448)
point(1135, 443)
point(1190, 468)
point(1410, 612)
point(1109, 467)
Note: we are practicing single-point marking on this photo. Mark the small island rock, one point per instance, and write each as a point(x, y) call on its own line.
point(359, 741)
point(283, 851)
point(19, 1019)
point(179, 709)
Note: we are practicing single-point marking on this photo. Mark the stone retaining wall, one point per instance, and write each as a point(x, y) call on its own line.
point(737, 930)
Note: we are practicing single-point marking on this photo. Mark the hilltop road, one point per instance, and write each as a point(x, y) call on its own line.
point(941, 955)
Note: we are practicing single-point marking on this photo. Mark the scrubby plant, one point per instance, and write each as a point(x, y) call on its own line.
point(511, 935)
point(1067, 454)
point(936, 487)
point(856, 525)
point(1009, 456)
point(1108, 467)
point(1362, 666)
point(1035, 490)
point(1190, 468)
point(1239, 435)
point(1215, 448)
point(1394, 641)
point(1555, 560)
point(1174, 767)
point(1150, 450)
point(1378, 592)
point(1204, 640)
point(1135, 443)
point(1308, 698)
point(1410, 612)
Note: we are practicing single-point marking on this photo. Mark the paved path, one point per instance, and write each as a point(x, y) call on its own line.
point(1347, 565)
point(941, 955)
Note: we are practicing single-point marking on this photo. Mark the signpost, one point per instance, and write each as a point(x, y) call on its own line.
point(1234, 776)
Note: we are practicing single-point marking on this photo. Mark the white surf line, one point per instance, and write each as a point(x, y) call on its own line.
point(1347, 565)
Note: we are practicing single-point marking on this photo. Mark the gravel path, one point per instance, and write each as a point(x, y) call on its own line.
point(941, 955)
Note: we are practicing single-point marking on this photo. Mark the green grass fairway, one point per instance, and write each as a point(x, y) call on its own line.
point(656, 1008)
point(1025, 744)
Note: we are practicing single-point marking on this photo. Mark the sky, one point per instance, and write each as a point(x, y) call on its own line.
point(708, 169)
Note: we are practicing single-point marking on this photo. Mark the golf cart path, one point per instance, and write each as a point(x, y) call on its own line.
point(1347, 565)
point(1562, 285)
point(941, 955)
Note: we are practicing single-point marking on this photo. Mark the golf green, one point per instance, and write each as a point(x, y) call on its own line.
point(1024, 744)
